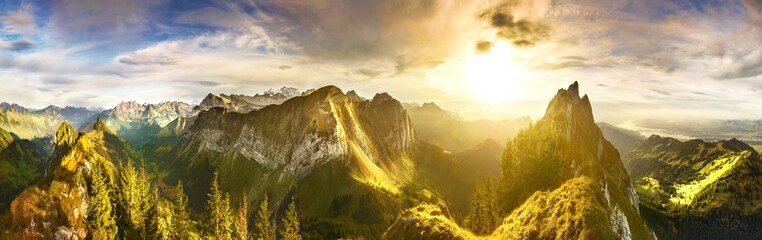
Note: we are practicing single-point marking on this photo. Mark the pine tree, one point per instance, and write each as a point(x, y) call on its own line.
point(263, 222)
point(220, 221)
point(100, 217)
point(242, 220)
point(182, 226)
point(159, 218)
point(134, 200)
point(290, 224)
point(484, 215)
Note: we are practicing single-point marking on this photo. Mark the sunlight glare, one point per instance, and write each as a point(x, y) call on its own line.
point(492, 76)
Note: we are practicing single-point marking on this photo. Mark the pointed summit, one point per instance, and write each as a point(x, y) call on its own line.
point(66, 135)
point(101, 126)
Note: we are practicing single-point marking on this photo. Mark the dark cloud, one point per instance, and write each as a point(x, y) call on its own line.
point(483, 46)
point(204, 83)
point(521, 32)
point(749, 66)
point(662, 92)
point(700, 93)
point(368, 72)
point(17, 45)
point(147, 60)
point(284, 67)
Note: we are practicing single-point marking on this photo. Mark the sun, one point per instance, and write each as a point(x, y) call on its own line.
point(494, 76)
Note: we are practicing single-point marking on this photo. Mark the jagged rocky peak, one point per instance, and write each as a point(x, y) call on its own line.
point(352, 95)
point(431, 106)
point(245, 103)
point(12, 107)
point(66, 135)
point(307, 131)
point(101, 126)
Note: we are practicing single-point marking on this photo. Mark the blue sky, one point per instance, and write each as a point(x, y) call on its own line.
point(636, 59)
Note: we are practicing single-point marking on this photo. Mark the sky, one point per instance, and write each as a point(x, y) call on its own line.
point(665, 59)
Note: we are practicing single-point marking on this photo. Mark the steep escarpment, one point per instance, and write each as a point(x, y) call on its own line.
point(697, 188)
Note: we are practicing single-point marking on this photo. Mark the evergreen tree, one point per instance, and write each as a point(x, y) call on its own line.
point(159, 218)
point(220, 221)
point(134, 200)
point(182, 226)
point(100, 216)
point(483, 217)
point(290, 224)
point(263, 222)
point(242, 220)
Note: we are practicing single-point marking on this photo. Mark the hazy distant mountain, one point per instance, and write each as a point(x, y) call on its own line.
point(244, 103)
point(749, 131)
point(622, 139)
point(138, 123)
point(41, 123)
point(448, 130)
point(6, 106)
point(561, 180)
point(698, 189)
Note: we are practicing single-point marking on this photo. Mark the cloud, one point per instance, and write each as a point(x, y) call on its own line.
point(369, 72)
point(21, 23)
point(94, 20)
point(135, 59)
point(662, 92)
point(483, 46)
point(521, 32)
point(748, 66)
point(17, 45)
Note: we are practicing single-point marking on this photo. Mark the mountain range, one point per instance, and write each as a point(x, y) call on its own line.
point(370, 168)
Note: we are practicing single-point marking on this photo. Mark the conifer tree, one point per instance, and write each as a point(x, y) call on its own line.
point(100, 216)
point(134, 200)
point(290, 223)
point(242, 220)
point(483, 216)
point(182, 226)
point(263, 222)
point(220, 221)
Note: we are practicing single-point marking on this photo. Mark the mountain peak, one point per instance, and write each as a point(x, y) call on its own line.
point(101, 126)
point(66, 135)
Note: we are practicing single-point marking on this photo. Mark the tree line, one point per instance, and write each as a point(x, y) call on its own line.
point(128, 206)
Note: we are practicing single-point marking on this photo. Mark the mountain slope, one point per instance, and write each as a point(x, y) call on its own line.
point(561, 180)
point(453, 133)
point(244, 103)
point(41, 123)
point(712, 189)
point(622, 139)
point(21, 163)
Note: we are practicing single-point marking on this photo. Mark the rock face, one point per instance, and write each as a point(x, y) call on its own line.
point(362, 149)
point(698, 187)
point(308, 131)
point(138, 123)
